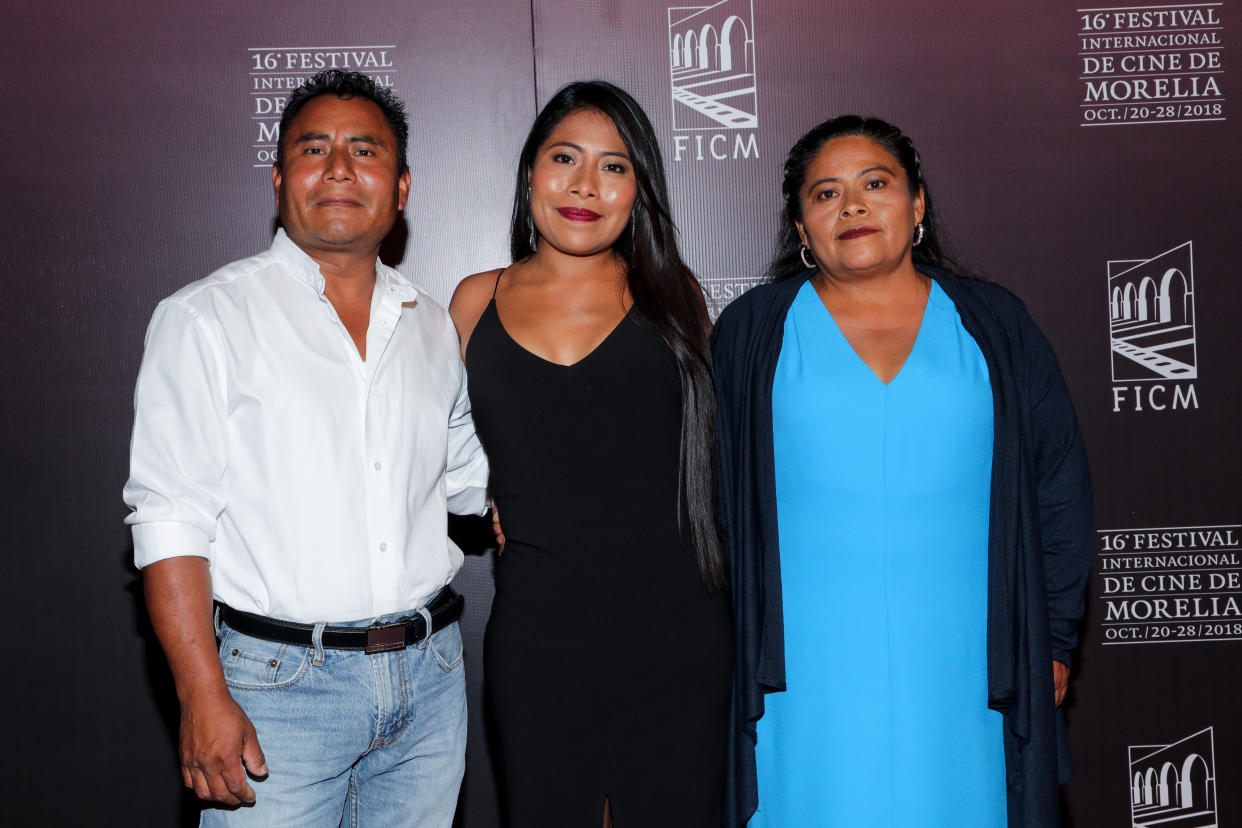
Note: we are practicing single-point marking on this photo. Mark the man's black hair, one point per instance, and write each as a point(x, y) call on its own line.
point(346, 85)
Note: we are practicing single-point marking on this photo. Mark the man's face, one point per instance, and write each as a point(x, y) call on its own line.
point(339, 190)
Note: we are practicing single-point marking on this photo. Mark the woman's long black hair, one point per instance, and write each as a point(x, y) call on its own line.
point(662, 287)
point(787, 258)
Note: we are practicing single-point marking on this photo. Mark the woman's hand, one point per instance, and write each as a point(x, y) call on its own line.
point(1060, 673)
point(500, 535)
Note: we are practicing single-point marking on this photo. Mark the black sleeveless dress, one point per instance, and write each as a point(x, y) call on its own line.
point(607, 663)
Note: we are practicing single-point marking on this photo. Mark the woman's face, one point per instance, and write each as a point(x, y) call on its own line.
point(582, 185)
point(858, 216)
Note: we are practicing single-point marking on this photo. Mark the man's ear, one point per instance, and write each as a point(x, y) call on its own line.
point(276, 179)
point(403, 190)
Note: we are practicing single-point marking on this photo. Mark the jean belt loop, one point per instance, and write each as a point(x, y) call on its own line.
point(317, 644)
point(426, 614)
point(215, 620)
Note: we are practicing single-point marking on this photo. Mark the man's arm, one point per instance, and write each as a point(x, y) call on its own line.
point(216, 736)
point(466, 471)
point(177, 459)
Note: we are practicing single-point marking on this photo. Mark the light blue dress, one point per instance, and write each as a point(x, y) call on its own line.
point(882, 507)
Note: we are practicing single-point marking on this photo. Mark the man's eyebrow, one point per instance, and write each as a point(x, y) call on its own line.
point(307, 137)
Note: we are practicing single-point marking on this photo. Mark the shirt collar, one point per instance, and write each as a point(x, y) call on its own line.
point(390, 281)
point(306, 269)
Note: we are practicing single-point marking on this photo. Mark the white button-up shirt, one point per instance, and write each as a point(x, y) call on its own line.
point(315, 483)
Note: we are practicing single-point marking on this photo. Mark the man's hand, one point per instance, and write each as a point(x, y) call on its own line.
point(1060, 681)
point(217, 740)
point(497, 531)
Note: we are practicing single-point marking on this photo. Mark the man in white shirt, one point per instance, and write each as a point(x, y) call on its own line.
point(301, 430)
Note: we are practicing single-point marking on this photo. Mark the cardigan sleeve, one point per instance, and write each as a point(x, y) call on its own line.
point(1064, 491)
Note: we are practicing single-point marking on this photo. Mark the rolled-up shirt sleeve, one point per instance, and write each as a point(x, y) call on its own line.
point(179, 449)
point(465, 476)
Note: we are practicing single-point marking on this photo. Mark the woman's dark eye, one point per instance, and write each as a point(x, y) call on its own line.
point(562, 158)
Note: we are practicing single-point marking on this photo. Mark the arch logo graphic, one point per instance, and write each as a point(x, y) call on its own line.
point(1151, 309)
point(1174, 786)
point(711, 59)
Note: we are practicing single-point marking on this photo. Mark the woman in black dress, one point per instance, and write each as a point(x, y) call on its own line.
point(607, 652)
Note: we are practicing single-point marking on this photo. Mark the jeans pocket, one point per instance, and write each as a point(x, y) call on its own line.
point(257, 664)
point(446, 647)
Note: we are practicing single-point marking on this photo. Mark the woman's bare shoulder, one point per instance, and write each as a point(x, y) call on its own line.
point(470, 300)
point(476, 285)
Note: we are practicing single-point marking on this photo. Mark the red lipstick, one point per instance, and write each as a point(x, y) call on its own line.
point(856, 233)
point(578, 214)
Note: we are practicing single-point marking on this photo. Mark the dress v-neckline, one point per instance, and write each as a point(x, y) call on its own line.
point(918, 337)
point(547, 361)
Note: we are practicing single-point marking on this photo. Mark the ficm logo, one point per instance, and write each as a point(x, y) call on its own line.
point(1174, 786)
point(1151, 309)
point(712, 80)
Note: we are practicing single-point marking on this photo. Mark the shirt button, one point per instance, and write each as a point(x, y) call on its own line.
point(383, 547)
point(378, 465)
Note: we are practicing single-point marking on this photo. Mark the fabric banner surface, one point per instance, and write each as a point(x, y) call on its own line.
point(1085, 158)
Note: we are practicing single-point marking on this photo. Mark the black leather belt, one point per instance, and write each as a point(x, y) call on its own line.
point(444, 609)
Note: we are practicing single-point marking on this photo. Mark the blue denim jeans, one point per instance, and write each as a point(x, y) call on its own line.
point(350, 739)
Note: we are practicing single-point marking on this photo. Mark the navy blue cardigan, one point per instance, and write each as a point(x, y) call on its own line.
point(1039, 536)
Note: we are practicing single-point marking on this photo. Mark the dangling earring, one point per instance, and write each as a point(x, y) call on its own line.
point(530, 220)
point(802, 252)
point(918, 234)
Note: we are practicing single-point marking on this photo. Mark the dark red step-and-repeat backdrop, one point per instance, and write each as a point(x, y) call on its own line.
point(1087, 158)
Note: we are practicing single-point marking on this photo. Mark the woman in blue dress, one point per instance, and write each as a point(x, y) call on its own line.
point(908, 516)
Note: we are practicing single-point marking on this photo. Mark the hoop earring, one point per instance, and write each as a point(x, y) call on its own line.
point(918, 234)
point(802, 252)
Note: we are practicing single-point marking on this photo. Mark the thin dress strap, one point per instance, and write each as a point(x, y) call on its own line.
point(496, 286)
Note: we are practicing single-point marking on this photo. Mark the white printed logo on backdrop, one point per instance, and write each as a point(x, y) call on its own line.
point(1151, 309)
point(1170, 584)
point(276, 71)
point(1158, 64)
point(712, 81)
point(1174, 786)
